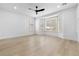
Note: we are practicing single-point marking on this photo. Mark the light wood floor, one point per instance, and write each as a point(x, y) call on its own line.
point(38, 45)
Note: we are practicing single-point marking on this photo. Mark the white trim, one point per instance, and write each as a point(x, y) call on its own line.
point(8, 37)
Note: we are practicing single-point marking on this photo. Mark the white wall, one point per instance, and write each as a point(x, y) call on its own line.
point(67, 23)
point(14, 24)
point(37, 26)
point(30, 25)
point(78, 22)
point(42, 21)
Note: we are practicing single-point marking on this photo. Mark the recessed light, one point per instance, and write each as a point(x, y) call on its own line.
point(58, 6)
point(15, 7)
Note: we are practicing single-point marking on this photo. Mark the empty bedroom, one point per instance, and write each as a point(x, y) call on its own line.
point(39, 29)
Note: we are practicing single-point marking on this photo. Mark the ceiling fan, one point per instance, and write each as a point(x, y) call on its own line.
point(37, 10)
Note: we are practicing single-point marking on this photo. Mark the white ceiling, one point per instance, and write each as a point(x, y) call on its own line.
point(23, 8)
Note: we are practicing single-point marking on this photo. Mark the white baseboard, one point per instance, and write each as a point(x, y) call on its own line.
point(60, 36)
point(7, 37)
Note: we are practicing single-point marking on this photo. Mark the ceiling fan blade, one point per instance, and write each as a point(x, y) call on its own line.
point(39, 10)
point(30, 9)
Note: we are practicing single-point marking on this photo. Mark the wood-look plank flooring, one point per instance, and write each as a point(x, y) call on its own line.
point(38, 45)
